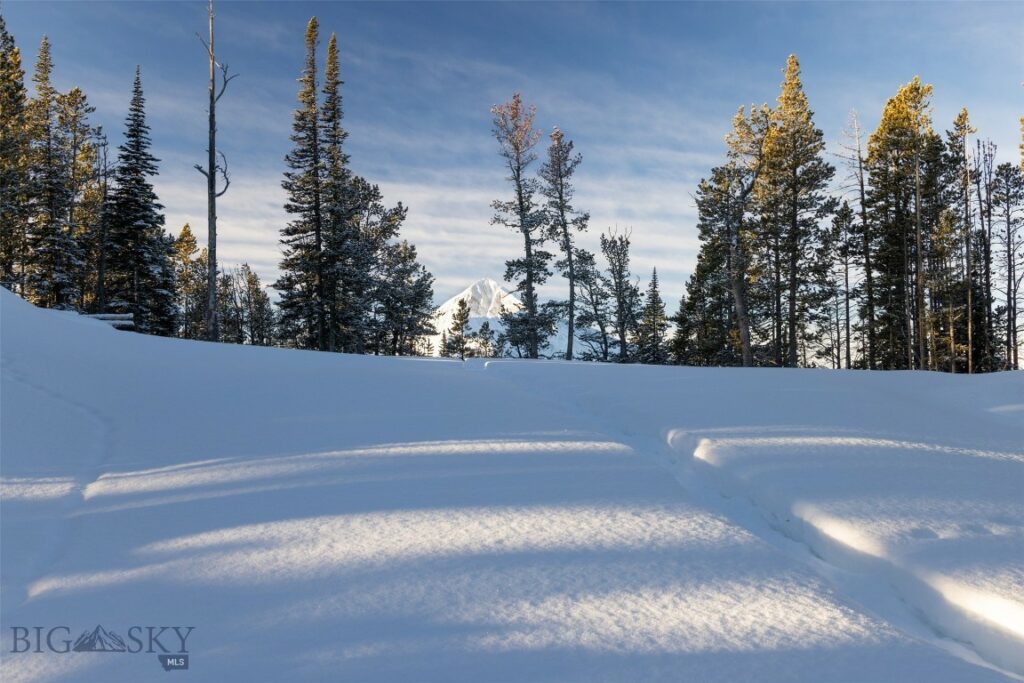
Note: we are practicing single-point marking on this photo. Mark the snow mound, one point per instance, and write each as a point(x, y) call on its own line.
point(940, 523)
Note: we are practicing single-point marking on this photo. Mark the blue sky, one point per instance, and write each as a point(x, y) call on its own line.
point(646, 90)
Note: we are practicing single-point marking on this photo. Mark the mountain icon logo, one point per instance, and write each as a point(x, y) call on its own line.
point(99, 640)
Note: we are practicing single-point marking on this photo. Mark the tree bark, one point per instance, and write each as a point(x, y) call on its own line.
point(212, 319)
point(869, 290)
point(919, 267)
point(970, 265)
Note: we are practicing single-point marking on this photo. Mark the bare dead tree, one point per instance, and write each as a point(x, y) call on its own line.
point(213, 168)
point(103, 171)
point(969, 271)
point(853, 155)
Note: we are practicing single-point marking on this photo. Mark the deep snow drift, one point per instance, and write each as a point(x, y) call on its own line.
point(336, 518)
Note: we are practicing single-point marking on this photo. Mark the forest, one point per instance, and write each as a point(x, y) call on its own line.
point(901, 249)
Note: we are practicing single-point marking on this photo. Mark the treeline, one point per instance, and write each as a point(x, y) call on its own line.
point(910, 260)
point(82, 228)
point(908, 256)
point(916, 266)
point(78, 230)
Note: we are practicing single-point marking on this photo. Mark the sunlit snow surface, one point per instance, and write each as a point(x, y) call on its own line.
point(332, 518)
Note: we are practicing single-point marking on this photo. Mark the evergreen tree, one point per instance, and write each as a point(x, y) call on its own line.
point(484, 341)
point(360, 261)
point(726, 204)
point(947, 293)
point(793, 183)
point(894, 169)
point(459, 331)
point(652, 330)
point(140, 271)
point(625, 294)
point(230, 310)
point(594, 314)
point(55, 259)
point(347, 257)
point(301, 284)
point(1008, 201)
point(957, 183)
point(402, 301)
point(679, 343)
point(245, 315)
point(14, 156)
point(258, 311)
point(99, 242)
point(706, 330)
point(562, 219)
point(445, 349)
point(516, 136)
point(190, 273)
point(82, 187)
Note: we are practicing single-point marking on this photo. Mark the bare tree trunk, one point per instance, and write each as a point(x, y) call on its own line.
point(211, 171)
point(212, 320)
point(742, 319)
point(919, 268)
point(970, 265)
point(846, 298)
point(101, 270)
point(983, 185)
point(794, 249)
point(572, 303)
point(952, 340)
point(777, 295)
point(869, 288)
point(1011, 298)
point(908, 317)
point(532, 343)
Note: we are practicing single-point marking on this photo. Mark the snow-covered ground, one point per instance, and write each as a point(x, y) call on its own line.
point(337, 518)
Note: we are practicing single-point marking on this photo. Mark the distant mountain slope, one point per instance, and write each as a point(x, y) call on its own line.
point(486, 298)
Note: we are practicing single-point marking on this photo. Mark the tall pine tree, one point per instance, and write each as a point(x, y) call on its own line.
point(625, 294)
point(594, 314)
point(140, 270)
point(516, 136)
point(14, 155)
point(793, 183)
point(302, 284)
point(563, 220)
point(54, 256)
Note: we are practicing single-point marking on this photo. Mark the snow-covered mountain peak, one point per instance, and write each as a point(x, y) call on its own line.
point(485, 297)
